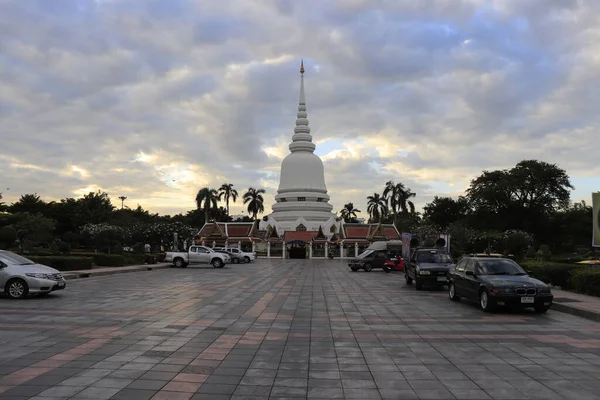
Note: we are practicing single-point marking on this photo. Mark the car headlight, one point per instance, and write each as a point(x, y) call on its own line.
point(424, 272)
point(544, 290)
point(32, 275)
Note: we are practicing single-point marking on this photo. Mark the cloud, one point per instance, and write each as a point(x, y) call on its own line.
point(154, 100)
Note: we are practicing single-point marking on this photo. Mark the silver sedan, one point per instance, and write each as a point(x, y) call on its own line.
point(20, 276)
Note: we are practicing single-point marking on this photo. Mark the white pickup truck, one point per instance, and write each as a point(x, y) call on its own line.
point(249, 257)
point(197, 255)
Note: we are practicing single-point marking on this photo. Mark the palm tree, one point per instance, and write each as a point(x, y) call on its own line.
point(226, 191)
point(348, 212)
point(253, 197)
point(398, 196)
point(206, 200)
point(376, 206)
point(405, 203)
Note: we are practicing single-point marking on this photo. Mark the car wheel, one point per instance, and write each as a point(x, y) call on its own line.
point(452, 292)
point(247, 259)
point(354, 269)
point(368, 268)
point(408, 279)
point(235, 261)
point(386, 269)
point(418, 284)
point(541, 309)
point(484, 301)
point(179, 262)
point(17, 289)
point(217, 263)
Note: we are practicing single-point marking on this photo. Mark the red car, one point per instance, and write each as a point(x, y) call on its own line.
point(394, 264)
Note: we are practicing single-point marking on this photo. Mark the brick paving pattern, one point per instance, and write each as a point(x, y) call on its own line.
point(285, 330)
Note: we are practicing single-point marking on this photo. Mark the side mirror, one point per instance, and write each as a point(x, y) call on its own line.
point(470, 273)
point(529, 272)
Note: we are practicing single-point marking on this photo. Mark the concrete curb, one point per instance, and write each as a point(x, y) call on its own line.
point(578, 312)
point(70, 275)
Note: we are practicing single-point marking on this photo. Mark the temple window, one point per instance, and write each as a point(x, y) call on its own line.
point(301, 228)
point(283, 200)
point(320, 199)
point(301, 198)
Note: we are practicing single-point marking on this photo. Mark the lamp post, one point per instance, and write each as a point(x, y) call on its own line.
point(122, 198)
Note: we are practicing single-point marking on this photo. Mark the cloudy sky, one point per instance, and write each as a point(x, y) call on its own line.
point(155, 99)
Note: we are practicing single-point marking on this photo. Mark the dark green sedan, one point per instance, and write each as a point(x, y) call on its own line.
point(496, 282)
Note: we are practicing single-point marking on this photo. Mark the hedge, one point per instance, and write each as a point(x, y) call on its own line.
point(64, 263)
point(587, 281)
point(556, 274)
point(120, 260)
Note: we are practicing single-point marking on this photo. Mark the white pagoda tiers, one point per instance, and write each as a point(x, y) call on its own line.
point(302, 202)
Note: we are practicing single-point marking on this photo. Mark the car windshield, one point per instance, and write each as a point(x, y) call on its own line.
point(433, 257)
point(365, 254)
point(11, 258)
point(499, 267)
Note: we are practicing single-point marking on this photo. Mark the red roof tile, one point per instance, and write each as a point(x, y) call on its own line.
point(357, 232)
point(390, 232)
point(238, 230)
point(305, 236)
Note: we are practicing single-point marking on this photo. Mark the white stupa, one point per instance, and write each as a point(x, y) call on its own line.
point(302, 202)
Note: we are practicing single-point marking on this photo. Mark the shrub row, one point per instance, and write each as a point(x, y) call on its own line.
point(63, 263)
point(587, 281)
point(556, 274)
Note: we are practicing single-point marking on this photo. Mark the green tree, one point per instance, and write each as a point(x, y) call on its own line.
point(444, 211)
point(34, 230)
point(227, 192)
point(8, 236)
point(94, 208)
point(255, 201)
point(3, 205)
point(349, 213)
point(30, 203)
point(523, 197)
point(399, 197)
point(376, 206)
point(206, 200)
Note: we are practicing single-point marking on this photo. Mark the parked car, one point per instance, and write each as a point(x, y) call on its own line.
point(197, 255)
point(235, 258)
point(367, 260)
point(494, 282)
point(248, 256)
point(20, 276)
point(379, 254)
point(428, 267)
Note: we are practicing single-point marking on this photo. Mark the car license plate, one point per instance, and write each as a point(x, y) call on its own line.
point(527, 300)
point(441, 279)
point(61, 284)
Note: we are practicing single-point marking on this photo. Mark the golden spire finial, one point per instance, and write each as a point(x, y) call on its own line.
point(302, 66)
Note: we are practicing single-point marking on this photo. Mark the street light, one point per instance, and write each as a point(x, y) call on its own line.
point(123, 198)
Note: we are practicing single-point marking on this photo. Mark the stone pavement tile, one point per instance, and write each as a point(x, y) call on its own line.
point(325, 393)
point(217, 389)
point(506, 394)
point(350, 367)
point(146, 384)
point(62, 391)
point(226, 379)
point(117, 383)
point(434, 394)
point(156, 375)
point(257, 380)
point(293, 366)
point(394, 394)
point(46, 380)
point(125, 374)
point(325, 374)
point(210, 396)
point(167, 368)
point(164, 395)
point(291, 382)
point(134, 394)
point(229, 371)
point(23, 391)
point(358, 384)
point(243, 390)
point(282, 391)
point(99, 393)
point(261, 373)
point(470, 394)
point(187, 387)
point(362, 394)
point(459, 384)
point(324, 383)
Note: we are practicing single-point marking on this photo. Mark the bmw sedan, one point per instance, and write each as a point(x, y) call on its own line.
point(495, 282)
point(20, 276)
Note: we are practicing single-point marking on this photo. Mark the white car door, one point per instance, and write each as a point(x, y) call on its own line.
point(193, 255)
point(203, 255)
point(3, 268)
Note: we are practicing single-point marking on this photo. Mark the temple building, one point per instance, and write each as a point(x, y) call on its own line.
point(302, 224)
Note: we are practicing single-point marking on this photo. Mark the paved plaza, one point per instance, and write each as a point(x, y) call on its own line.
point(276, 330)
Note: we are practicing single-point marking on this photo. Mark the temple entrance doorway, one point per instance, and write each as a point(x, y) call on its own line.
point(296, 249)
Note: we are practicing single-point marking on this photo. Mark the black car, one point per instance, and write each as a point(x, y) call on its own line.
point(497, 282)
point(235, 258)
point(428, 267)
point(368, 260)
